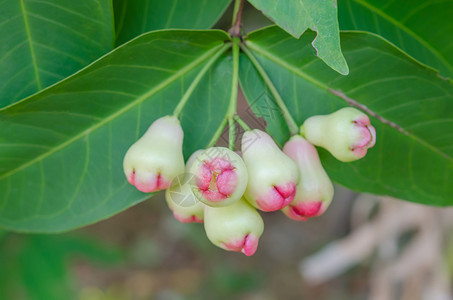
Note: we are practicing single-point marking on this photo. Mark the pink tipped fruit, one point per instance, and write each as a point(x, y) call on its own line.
point(314, 189)
point(156, 158)
point(237, 227)
point(220, 176)
point(184, 205)
point(182, 202)
point(347, 133)
point(273, 176)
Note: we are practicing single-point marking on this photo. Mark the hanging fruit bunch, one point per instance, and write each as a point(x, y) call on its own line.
point(224, 189)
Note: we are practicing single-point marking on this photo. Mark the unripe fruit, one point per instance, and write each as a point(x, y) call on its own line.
point(220, 177)
point(182, 202)
point(237, 227)
point(314, 189)
point(272, 175)
point(347, 133)
point(156, 158)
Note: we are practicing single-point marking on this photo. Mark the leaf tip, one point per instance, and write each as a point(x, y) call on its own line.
point(343, 70)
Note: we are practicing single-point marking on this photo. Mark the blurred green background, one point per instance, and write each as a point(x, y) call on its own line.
point(144, 253)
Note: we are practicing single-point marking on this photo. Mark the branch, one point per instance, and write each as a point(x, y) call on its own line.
point(235, 30)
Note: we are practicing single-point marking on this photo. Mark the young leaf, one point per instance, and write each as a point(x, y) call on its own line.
point(46, 41)
point(134, 17)
point(409, 105)
point(61, 151)
point(421, 28)
point(296, 16)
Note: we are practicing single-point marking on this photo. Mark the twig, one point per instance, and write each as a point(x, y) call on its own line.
point(235, 30)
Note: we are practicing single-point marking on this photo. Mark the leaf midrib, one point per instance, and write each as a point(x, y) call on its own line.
point(322, 85)
point(407, 30)
point(139, 100)
point(30, 43)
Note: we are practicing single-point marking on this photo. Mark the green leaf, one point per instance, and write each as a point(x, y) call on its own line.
point(409, 105)
point(46, 41)
point(419, 27)
point(134, 17)
point(296, 16)
point(62, 166)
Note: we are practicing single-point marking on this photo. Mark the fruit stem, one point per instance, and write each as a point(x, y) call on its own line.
point(242, 123)
point(231, 134)
point(232, 109)
point(235, 79)
point(292, 125)
point(196, 81)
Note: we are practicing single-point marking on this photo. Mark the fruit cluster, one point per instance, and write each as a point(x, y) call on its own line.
point(223, 189)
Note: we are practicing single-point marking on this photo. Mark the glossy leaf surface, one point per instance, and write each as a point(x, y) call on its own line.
point(421, 28)
point(43, 42)
point(134, 17)
point(296, 16)
point(61, 151)
point(409, 105)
